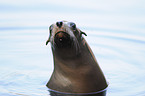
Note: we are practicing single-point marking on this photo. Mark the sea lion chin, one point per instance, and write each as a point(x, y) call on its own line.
point(63, 40)
point(75, 67)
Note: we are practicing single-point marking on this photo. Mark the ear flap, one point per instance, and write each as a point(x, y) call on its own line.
point(47, 41)
point(83, 33)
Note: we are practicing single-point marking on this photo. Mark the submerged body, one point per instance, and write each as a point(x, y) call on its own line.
point(75, 67)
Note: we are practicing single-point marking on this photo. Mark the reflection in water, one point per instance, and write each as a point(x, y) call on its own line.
point(56, 93)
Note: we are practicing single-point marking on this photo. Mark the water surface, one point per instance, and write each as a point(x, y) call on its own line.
point(116, 34)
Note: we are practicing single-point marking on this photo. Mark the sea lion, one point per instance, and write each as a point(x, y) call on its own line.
point(75, 67)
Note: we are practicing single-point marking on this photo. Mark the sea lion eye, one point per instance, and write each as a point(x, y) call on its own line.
point(73, 25)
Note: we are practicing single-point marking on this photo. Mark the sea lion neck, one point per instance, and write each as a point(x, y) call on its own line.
point(65, 55)
point(76, 61)
point(70, 66)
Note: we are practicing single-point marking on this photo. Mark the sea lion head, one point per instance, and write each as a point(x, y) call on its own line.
point(65, 39)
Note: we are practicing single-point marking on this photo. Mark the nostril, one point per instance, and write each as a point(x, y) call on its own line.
point(59, 24)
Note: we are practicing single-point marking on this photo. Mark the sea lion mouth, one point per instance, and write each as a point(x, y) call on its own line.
point(62, 40)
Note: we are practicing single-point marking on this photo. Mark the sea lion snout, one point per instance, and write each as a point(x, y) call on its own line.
point(62, 39)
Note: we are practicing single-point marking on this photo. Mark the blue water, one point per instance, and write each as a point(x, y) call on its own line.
point(116, 34)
